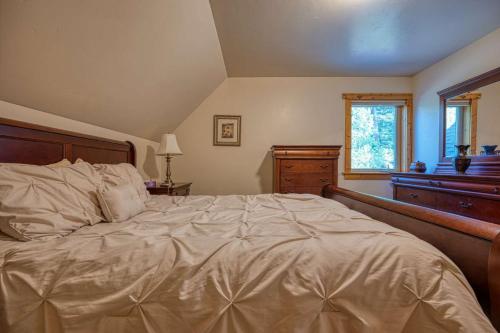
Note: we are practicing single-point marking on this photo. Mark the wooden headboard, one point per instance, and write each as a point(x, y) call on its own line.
point(34, 144)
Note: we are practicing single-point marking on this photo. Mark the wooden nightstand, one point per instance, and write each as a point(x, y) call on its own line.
point(179, 189)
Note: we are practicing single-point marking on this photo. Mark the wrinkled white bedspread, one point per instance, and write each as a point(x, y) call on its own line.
point(264, 263)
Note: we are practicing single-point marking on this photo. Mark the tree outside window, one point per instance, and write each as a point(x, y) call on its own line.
point(378, 135)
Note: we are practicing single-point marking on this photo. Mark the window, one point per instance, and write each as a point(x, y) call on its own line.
point(378, 135)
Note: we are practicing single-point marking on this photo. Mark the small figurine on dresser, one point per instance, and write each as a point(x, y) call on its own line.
point(418, 167)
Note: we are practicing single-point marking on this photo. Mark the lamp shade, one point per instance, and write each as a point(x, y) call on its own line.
point(168, 145)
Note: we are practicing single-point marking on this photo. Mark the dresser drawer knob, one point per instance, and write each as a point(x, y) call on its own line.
point(288, 166)
point(323, 166)
point(464, 204)
point(289, 179)
point(323, 180)
point(413, 195)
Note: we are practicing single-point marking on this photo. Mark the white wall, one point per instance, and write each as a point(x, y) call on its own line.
point(146, 160)
point(274, 111)
point(477, 58)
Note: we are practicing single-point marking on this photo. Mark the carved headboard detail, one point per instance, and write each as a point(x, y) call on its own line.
point(34, 144)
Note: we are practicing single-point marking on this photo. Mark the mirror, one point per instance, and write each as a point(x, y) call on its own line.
point(470, 115)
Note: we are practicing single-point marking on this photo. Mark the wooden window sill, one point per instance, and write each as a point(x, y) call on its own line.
point(367, 175)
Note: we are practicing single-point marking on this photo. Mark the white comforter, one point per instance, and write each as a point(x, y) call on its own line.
point(265, 263)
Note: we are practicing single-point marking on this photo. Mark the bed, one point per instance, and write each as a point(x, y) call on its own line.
point(264, 263)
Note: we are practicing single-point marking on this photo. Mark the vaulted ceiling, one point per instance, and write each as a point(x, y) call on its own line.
point(141, 67)
point(346, 37)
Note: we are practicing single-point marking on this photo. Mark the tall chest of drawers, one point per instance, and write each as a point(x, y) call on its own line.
point(304, 169)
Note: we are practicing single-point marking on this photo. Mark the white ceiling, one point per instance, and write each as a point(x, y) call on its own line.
point(346, 37)
point(139, 67)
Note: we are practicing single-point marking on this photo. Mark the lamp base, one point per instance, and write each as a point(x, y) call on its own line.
point(168, 179)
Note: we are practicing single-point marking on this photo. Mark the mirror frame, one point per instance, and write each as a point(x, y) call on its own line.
point(456, 90)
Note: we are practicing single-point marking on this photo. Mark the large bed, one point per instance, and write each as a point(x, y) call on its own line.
point(347, 262)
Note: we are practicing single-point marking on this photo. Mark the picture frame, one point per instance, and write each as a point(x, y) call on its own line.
point(227, 130)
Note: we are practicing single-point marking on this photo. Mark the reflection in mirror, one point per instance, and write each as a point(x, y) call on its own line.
point(488, 118)
point(460, 114)
point(470, 115)
point(473, 119)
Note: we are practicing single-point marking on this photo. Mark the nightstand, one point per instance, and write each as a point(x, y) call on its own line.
point(179, 189)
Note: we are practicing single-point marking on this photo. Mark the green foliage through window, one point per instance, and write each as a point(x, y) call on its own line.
point(374, 137)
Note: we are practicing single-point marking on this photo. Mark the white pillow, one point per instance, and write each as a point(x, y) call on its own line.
point(41, 202)
point(119, 174)
point(119, 203)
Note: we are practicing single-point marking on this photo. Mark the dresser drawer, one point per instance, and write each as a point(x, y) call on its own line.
point(415, 181)
point(306, 166)
point(454, 185)
point(416, 196)
point(478, 208)
point(471, 187)
point(302, 189)
point(306, 179)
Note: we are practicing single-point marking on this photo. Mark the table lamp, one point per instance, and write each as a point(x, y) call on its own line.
point(168, 148)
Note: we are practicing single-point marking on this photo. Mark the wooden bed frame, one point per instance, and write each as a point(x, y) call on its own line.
point(34, 144)
point(472, 244)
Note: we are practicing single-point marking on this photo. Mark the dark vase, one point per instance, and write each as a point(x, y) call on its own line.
point(462, 162)
point(418, 166)
point(489, 149)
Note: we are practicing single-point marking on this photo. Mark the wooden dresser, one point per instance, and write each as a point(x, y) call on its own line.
point(468, 195)
point(304, 169)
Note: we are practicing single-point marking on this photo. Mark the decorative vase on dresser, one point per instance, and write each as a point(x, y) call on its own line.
point(475, 194)
point(489, 149)
point(304, 169)
point(462, 161)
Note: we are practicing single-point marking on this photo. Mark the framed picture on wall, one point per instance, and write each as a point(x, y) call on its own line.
point(227, 130)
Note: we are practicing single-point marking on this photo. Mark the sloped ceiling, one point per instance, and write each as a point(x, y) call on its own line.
point(346, 37)
point(141, 67)
point(138, 67)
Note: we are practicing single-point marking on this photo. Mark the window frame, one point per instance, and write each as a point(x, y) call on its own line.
point(404, 144)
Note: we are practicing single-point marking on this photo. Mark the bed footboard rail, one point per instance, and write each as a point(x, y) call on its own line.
point(472, 244)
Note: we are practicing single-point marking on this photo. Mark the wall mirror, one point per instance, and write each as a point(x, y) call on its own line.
point(470, 115)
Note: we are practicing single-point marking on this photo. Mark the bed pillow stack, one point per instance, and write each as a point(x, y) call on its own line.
point(47, 202)
point(44, 202)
